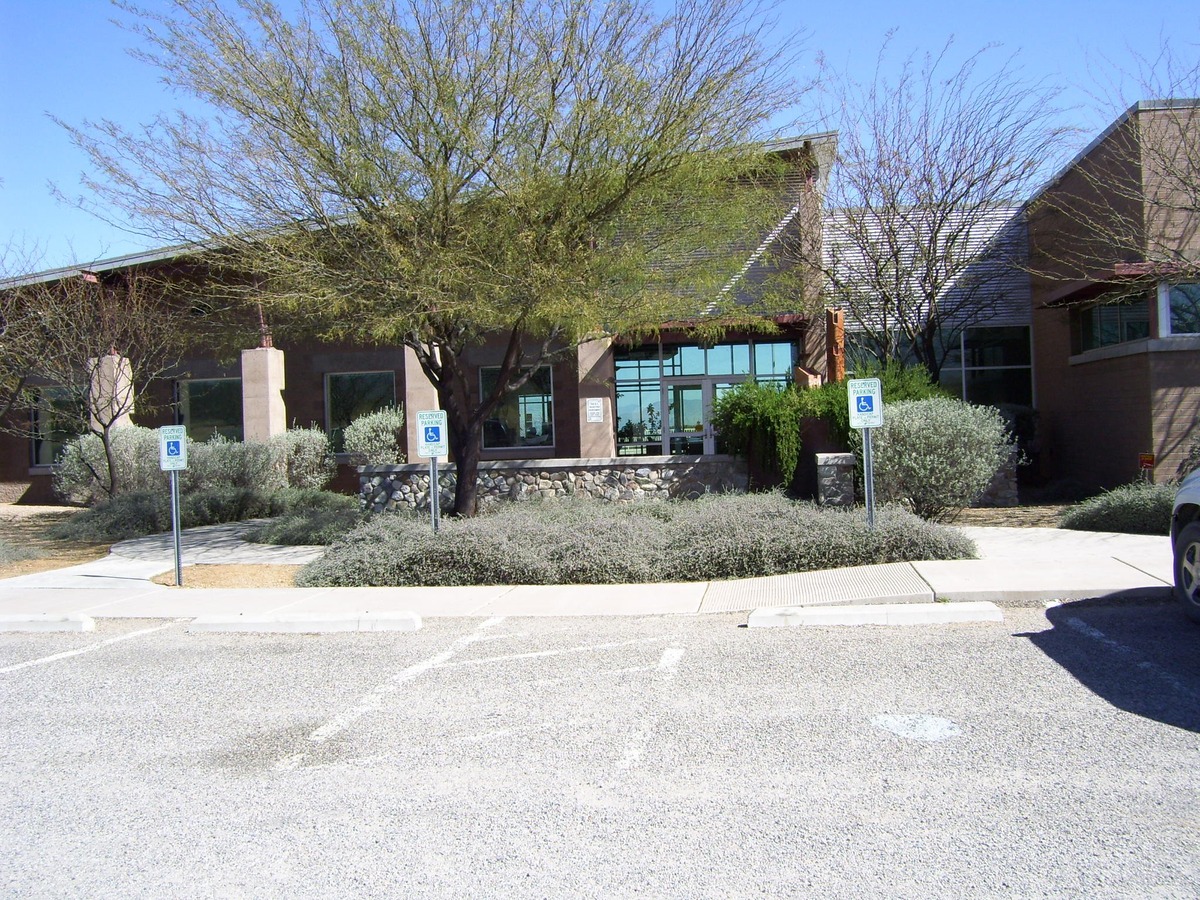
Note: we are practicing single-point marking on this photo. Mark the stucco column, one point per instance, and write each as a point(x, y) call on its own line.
point(110, 391)
point(263, 410)
point(597, 436)
point(419, 394)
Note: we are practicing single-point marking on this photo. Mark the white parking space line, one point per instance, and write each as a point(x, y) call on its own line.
point(1132, 655)
point(373, 699)
point(90, 648)
point(639, 740)
point(537, 654)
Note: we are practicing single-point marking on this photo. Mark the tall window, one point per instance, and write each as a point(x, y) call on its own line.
point(1112, 323)
point(1179, 308)
point(524, 418)
point(349, 395)
point(211, 406)
point(992, 366)
point(57, 418)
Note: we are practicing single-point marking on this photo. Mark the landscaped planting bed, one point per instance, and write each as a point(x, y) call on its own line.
point(585, 542)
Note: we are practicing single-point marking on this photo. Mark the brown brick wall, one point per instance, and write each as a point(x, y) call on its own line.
point(1175, 385)
point(1095, 416)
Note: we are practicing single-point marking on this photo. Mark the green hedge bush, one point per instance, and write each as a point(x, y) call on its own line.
point(1139, 508)
point(585, 542)
point(761, 422)
point(938, 455)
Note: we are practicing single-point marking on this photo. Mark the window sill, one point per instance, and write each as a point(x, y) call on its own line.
point(1175, 343)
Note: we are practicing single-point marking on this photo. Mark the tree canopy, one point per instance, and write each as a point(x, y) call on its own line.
point(923, 234)
point(440, 172)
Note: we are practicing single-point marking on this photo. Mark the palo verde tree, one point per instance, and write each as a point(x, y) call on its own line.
point(923, 233)
point(443, 173)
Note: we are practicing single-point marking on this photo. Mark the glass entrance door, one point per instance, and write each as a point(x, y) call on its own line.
point(688, 427)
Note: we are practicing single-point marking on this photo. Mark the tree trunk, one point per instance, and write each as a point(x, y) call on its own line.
point(109, 460)
point(466, 430)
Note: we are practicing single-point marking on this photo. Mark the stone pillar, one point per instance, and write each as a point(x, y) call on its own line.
point(263, 412)
point(597, 434)
point(835, 479)
point(110, 391)
point(419, 394)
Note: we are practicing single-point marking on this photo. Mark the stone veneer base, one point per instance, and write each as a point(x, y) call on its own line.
point(615, 480)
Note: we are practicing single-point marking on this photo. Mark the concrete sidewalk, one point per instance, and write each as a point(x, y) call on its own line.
point(1017, 566)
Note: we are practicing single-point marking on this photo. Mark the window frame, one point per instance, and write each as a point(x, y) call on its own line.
point(180, 383)
point(1166, 325)
point(329, 429)
point(516, 396)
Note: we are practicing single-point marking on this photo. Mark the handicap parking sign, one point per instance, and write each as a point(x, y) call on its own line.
point(865, 397)
point(172, 448)
point(431, 431)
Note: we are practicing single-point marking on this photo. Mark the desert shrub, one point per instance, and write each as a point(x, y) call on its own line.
point(133, 515)
point(762, 423)
point(305, 456)
point(374, 439)
point(119, 518)
point(223, 463)
point(585, 542)
point(319, 519)
point(11, 553)
point(1140, 508)
point(81, 474)
point(898, 383)
point(938, 455)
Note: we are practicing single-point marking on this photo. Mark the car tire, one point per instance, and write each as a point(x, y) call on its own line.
point(1187, 569)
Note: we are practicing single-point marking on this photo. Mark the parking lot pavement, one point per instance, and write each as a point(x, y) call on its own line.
point(1051, 754)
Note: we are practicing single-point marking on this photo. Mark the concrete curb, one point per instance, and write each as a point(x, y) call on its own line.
point(47, 622)
point(309, 623)
point(878, 614)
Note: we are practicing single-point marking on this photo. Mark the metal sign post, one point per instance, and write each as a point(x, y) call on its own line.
point(865, 396)
point(432, 442)
point(172, 456)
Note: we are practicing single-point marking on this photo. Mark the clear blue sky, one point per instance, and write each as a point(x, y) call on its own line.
point(65, 57)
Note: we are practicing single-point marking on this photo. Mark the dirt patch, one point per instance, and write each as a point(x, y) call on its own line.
point(1046, 516)
point(26, 527)
point(231, 576)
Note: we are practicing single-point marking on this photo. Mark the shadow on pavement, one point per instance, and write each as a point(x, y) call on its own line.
point(1141, 655)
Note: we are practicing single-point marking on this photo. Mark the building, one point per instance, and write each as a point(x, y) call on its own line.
point(606, 400)
point(1115, 261)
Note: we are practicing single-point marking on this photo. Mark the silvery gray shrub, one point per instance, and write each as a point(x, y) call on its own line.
point(298, 458)
point(374, 439)
point(938, 455)
point(1140, 508)
point(583, 541)
point(81, 475)
point(305, 457)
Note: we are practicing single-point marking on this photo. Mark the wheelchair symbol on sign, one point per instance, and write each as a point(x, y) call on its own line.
point(866, 404)
point(433, 434)
point(173, 448)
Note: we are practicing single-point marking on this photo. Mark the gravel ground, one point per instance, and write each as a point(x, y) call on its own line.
point(1050, 755)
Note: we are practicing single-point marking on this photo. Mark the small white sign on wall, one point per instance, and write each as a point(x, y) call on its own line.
point(595, 409)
